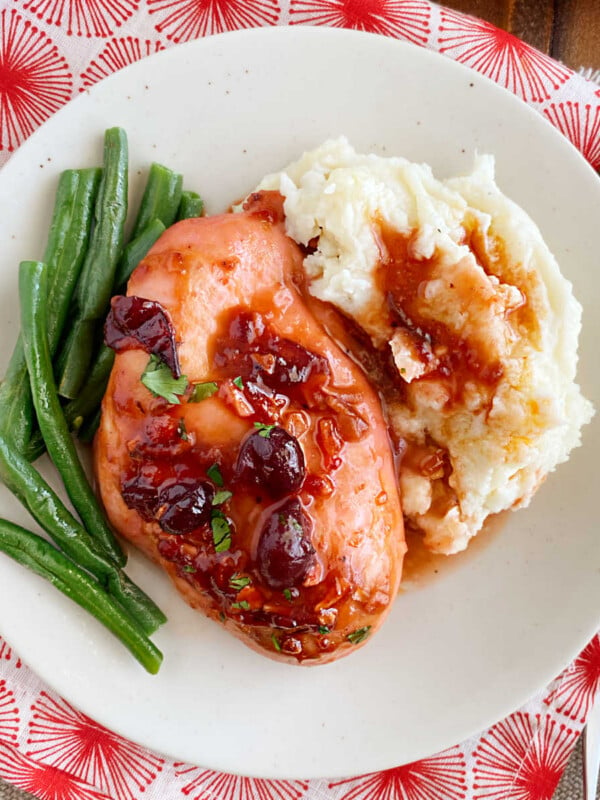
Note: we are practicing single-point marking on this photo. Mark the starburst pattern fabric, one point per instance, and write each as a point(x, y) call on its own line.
point(43, 781)
point(575, 689)
point(441, 777)
point(63, 737)
point(9, 714)
point(55, 752)
point(50, 50)
point(90, 18)
point(7, 654)
point(580, 122)
point(522, 758)
point(35, 80)
point(403, 19)
point(505, 59)
point(117, 53)
point(204, 783)
point(182, 20)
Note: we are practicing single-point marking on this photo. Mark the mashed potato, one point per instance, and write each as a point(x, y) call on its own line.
point(453, 282)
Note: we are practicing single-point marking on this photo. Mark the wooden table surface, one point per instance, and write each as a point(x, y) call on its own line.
point(568, 30)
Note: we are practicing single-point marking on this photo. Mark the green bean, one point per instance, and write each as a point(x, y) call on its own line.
point(94, 288)
point(66, 192)
point(16, 408)
point(160, 200)
point(33, 284)
point(41, 557)
point(89, 427)
point(34, 448)
point(16, 404)
point(65, 267)
point(85, 404)
point(73, 361)
point(51, 514)
point(98, 271)
point(191, 205)
point(135, 252)
point(91, 395)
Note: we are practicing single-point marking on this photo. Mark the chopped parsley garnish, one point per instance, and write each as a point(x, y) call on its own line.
point(158, 378)
point(189, 568)
point(287, 594)
point(238, 582)
point(276, 643)
point(182, 430)
point(264, 430)
point(359, 635)
point(222, 496)
point(221, 530)
point(243, 604)
point(222, 616)
point(214, 473)
point(324, 629)
point(239, 382)
point(203, 390)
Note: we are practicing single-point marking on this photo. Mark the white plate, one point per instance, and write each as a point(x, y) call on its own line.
point(456, 655)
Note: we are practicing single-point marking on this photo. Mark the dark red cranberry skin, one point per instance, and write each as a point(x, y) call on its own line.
point(246, 328)
point(285, 553)
point(133, 323)
point(141, 497)
point(184, 505)
point(140, 492)
point(274, 462)
point(292, 366)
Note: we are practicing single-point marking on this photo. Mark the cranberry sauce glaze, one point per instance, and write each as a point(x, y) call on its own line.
point(450, 358)
point(255, 468)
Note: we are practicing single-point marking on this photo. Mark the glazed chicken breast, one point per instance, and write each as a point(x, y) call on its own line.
point(242, 450)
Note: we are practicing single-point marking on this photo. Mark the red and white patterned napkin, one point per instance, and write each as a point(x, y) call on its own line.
point(52, 49)
point(49, 51)
point(57, 753)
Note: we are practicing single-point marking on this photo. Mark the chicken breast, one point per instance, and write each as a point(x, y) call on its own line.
point(242, 450)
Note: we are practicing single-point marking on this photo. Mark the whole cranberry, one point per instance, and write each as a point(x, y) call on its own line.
point(140, 491)
point(271, 458)
point(184, 505)
point(136, 323)
point(285, 553)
